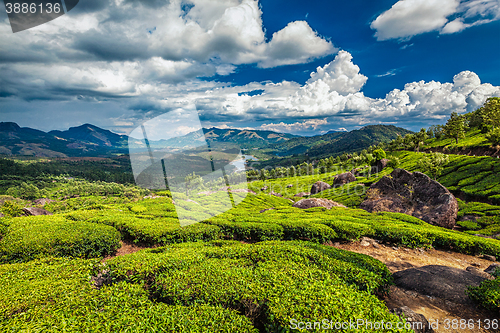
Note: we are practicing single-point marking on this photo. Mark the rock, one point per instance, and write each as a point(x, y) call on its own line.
point(413, 194)
point(475, 264)
point(488, 257)
point(364, 243)
point(264, 188)
point(42, 202)
point(35, 211)
point(276, 194)
point(492, 268)
point(444, 282)
point(316, 202)
point(302, 194)
point(265, 210)
point(412, 317)
point(101, 279)
point(477, 272)
point(380, 165)
point(289, 186)
point(319, 186)
point(356, 171)
point(343, 178)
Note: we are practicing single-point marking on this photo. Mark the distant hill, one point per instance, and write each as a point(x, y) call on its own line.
point(85, 140)
point(90, 134)
point(337, 142)
point(90, 140)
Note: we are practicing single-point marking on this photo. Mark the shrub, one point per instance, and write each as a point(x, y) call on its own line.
point(394, 163)
point(250, 231)
point(487, 294)
point(493, 136)
point(54, 295)
point(379, 154)
point(269, 282)
point(469, 225)
point(36, 236)
point(11, 209)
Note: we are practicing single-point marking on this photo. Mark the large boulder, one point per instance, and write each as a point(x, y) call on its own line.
point(319, 186)
point(343, 178)
point(447, 283)
point(317, 202)
point(35, 211)
point(42, 202)
point(414, 194)
point(380, 165)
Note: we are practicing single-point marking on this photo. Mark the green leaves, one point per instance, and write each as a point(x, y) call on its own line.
point(455, 127)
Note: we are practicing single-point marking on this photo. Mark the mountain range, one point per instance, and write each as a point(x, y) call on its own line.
point(90, 140)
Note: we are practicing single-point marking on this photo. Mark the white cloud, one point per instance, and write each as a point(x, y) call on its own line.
point(296, 43)
point(311, 124)
point(408, 18)
point(456, 25)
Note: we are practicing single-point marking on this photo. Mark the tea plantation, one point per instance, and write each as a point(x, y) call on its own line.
point(254, 268)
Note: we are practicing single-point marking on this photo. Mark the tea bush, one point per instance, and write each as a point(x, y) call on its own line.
point(55, 295)
point(30, 237)
point(487, 294)
point(269, 282)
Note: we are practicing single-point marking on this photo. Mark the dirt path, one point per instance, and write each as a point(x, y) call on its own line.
point(434, 309)
point(126, 247)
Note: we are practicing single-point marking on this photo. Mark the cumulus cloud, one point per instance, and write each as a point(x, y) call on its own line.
point(407, 18)
point(333, 94)
point(219, 32)
point(311, 124)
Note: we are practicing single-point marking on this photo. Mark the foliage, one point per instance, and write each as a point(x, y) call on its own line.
point(487, 294)
point(379, 154)
point(432, 164)
point(490, 112)
point(455, 127)
point(54, 295)
point(269, 282)
point(493, 136)
point(26, 191)
point(30, 237)
point(394, 163)
point(11, 209)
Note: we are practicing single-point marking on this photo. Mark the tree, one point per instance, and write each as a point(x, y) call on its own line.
point(419, 138)
point(408, 141)
point(432, 164)
point(379, 154)
point(493, 136)
point(491, 112)
point(455, 127)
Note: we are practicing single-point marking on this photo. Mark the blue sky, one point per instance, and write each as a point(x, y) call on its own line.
point(290, 66)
